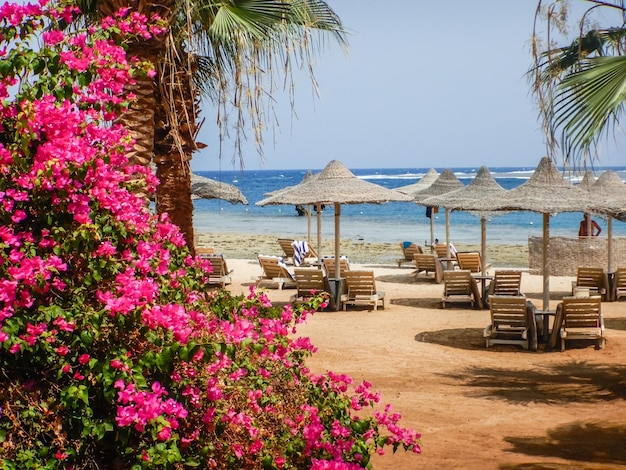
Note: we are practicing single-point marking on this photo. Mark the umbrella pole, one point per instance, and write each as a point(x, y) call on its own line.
point(610, 244)
point(308, 220)
point(319, 231)
point(448, 237)
point(483, 244)
point(337, 239)
point(546, 265)
point(432, 229)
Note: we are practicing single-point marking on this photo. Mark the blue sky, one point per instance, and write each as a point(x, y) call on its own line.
point(424, 84)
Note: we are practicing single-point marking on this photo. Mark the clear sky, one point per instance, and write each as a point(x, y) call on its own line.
point(424, 84)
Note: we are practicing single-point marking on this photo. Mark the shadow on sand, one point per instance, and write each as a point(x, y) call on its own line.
point(595, 445)
point(459, 338)
point(405, 278)
point(615, 323)
point(421, 302)
point(570, 382)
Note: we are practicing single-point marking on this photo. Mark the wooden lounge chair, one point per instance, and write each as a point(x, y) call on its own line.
point(329, 264)
point(308, 282)
point(619, 287)
point(275, 272)
point(428, 264)
point(582, 319)
point(441, 250)
point(509, 321)
point(361, 290)
point(297, 252)
point(286, 244)
point(471, 261)
point(459, 286)
point(592, 279)
point(408, 252)
point(505, 282)
point(221, 275)
point(303, 253)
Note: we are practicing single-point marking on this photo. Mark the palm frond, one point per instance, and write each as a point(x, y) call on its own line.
point(590, 101)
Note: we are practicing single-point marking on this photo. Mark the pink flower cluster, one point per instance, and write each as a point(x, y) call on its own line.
point(140, 408)
point(238, 369)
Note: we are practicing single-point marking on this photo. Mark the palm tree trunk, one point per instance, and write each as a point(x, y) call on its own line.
point(176, 130)
point(139, 123)
point(174, 193)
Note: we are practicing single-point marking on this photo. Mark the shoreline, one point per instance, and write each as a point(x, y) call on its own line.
point(247, 246)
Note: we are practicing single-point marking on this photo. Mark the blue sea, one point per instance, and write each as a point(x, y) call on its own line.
point(390, 222)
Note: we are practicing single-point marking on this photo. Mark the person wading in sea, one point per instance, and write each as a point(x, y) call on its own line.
point(588, 227)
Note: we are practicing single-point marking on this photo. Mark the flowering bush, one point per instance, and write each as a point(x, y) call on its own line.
point(112, 351)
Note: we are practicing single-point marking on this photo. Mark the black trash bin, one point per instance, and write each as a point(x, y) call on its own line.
point(336, 289)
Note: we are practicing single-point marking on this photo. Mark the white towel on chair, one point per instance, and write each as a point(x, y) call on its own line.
point(300, 249)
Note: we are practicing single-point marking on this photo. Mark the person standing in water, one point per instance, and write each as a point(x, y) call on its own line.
point(588, 227)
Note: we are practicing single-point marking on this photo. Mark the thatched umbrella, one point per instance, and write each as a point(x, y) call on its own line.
point(336, 185)
point(305, 179)
point(207, 188)
point(308, 176)
point(546, 192)
point(481, 196)
point(412, 189)
point(610, 193)
point(588, 180)
point(426, 180)
point(445, 182)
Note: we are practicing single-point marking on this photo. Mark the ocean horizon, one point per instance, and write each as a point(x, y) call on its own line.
point(391, 222)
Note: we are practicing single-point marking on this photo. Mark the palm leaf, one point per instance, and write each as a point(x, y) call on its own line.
point(590, 101)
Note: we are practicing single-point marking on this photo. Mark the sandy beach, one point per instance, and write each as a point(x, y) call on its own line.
point(496, 408)
point(244, 246)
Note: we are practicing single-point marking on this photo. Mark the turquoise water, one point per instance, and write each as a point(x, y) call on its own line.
point(391, 222)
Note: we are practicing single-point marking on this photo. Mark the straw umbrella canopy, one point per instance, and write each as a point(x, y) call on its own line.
point(610, 193)
point(336, 185)
point(546, 192)
point(588, 180)
point(411, 189)
point(445, 182)
point(305, 179)
point(481, 196)
point(207, 188)
point(308, 176)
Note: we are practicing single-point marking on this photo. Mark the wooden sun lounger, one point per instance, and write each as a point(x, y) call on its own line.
point(286, 244)
point(289, 250)
point(428, 264)
point(619, 287)
point(581, 319)
point(221, 275)
point(308, 282)
point(361, 290)
point(408, 253)
point(593, 279)
point(275, 272)
point(505, 282)
point(511, 322)
point(471, 261)
point(329, 264)
point(460, 286)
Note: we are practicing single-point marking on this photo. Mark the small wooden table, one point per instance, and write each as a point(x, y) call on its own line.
point(448, 262)
point(483, 280)
point(545, 314)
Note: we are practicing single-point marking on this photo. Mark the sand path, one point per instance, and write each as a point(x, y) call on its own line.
point(496, 408)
